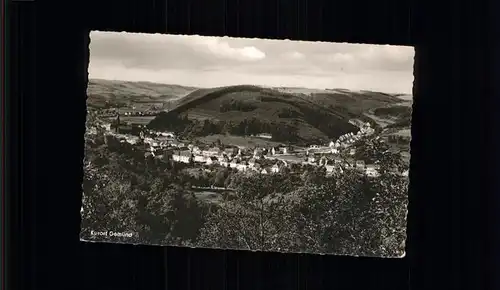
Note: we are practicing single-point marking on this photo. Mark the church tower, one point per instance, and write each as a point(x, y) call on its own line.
point(117, 123)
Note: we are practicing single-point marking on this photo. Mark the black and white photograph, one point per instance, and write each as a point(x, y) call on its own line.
point(247, 144)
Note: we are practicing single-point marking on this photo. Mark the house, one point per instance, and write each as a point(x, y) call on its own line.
point(350, 162)
point(311, 159)
point(352, 151)
point(106, 127)
point(256, 167)
point(214, 151)
point(322, 161)
point(196, 150)
point(406, 173)
point(337, 160)
point(258, 152)
point(334, 151)
point(168, 134)
point(286, 150)
point(265, 171)
point(124, 129)
point(252, 162)
point(278, 167)
point(360, 164)
point(372, 170)
point(265, 136)
point(176, 143)
point(183, 156)
point(330, 169)
point(234, 163)
point(242, 166)
point(224, 161)
point(200, 159)
point(91, 131)
point(230, 151)
point(212, 160)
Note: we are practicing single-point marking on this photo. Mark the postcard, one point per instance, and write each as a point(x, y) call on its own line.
point(247, 144)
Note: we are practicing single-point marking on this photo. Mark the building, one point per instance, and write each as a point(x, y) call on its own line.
point(234, 163)
point(337, 160)
point(214, 151)
point(224, 160)
point(331, 169)
point(372, 170)
point(350, 163)
point(322, 161)
point(168, 134)
point(278, 166)
point(286, 150)
point(312, 159)
point(196, 150)
point(352, 151)
point(200, 159)
point(242, 166)
point(124, 129)
point(360, 164)
point(106, 126)
point(265, 136)
point(212, 160)
point(258, 152)
point(183, 156)
point(252, 162)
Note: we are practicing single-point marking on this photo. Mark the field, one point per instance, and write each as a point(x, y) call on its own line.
point(404, 132)
point(141, 120)
point(311, 116)
point(104, 92)
point(281, 112)
point(238, 141)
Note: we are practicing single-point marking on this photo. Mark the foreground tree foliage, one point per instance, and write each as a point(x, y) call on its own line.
point(307, 211)
point(344, 214)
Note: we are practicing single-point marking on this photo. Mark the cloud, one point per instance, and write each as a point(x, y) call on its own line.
point(223, 49)
point(216, 61)
point(342, 58)
point(294, 55)
point(376, 57)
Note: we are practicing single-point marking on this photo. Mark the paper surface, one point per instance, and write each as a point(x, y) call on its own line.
point(248, 144)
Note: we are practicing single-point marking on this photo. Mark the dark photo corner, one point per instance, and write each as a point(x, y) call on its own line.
point(452, 182)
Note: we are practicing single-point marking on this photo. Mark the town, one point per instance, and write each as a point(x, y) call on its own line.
point(334, 157)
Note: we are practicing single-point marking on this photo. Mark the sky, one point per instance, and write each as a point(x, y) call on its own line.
point(203, 61)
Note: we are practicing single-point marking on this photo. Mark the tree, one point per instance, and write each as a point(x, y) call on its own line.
point(170, 216)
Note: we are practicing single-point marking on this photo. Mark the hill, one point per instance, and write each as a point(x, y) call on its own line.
point(399, 112)
point(355, 102)
point(123, 93)
point(246, 109)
